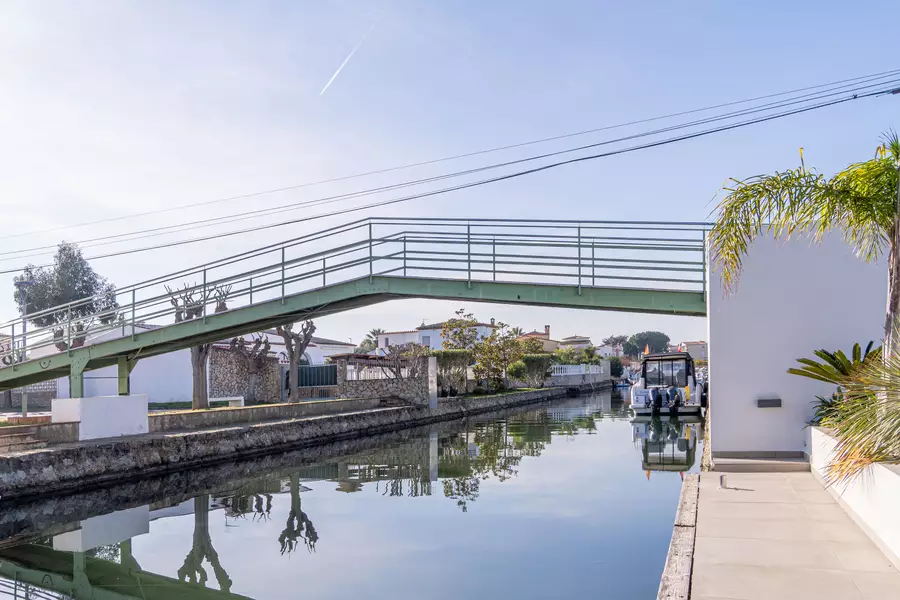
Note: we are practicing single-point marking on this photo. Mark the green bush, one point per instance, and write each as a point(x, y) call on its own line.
point(615, 366)
point(451, 369)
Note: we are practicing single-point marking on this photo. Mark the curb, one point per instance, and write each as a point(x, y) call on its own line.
point(675, 583)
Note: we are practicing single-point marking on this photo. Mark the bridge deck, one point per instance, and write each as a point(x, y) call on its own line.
point(636, 267)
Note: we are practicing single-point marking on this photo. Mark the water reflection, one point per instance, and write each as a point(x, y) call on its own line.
point(124, 542)
point(668, 444)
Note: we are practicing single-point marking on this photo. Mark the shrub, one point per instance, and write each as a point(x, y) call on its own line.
point(615, 366)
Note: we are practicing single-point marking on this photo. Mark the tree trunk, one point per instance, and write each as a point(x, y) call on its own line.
point(294, 379)
point(199, 354)
point(252, 385)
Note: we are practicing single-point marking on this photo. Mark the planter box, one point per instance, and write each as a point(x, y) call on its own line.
point(871, 499)
point(103, 416)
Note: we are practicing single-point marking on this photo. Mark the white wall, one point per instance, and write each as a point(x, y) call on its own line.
point(871, 498)
point(163, 378)
point(793, 298)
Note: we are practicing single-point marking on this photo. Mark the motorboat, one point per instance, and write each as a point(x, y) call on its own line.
point(668, 385)
point(667, 444)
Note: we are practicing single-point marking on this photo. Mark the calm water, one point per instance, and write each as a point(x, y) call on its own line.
point(571, 499)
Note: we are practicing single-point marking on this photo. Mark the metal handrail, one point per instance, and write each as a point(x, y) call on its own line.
point(573, 252)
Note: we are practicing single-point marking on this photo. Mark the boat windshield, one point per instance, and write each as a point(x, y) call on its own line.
point(666, 372)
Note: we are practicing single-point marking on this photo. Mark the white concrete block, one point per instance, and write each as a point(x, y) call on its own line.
point(103, 416)
point(871, 498)
point(106, 529)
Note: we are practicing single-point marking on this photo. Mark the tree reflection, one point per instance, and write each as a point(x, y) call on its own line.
point(202, 549)
point(299, 528)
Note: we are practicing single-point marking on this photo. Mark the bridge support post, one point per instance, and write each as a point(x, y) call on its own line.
point(76, 375)
point(125, 368)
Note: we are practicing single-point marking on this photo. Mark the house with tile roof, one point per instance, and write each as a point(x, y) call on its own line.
point(426, 334)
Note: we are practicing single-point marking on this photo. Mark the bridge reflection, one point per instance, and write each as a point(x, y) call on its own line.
point(92, 557)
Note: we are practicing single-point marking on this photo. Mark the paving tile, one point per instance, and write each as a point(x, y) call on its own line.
point(755, 510)
point(878, 586)
point(828, 513)
point(803, 528)
point(802, 481)
point(764, 553)
point(752, 481)
point(742, 582)
point(861, 556)
point(819, 496)
point(738, 494)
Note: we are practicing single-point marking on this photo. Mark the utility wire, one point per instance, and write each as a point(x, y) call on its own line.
point(871, 77)
point(214, 221)
point(513, 175)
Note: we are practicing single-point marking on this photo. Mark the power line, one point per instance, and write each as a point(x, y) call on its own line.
point(513, 175)
point(870, 77)
point(214, 221)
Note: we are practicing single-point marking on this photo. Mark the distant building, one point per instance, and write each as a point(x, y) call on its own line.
point(698, 350)
point(576, 342)
point(426, 335)
point(609, 350)
point(542, 336)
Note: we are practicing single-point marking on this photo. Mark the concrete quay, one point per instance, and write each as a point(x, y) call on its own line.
point(773, 536)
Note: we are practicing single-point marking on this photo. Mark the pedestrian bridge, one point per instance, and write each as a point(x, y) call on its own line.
point(648, 267)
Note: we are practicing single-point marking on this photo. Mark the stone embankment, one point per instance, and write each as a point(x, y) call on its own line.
point(72, 466)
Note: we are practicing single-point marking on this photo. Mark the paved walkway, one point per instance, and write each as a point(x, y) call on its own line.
point(772, 536)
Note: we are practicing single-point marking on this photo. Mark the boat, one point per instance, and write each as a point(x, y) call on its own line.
point(666, 445)
point(668, 385)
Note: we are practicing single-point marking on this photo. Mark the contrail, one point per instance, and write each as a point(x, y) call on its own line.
point(346, 60)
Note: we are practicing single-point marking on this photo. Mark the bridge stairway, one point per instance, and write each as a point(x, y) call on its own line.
point(18, 439)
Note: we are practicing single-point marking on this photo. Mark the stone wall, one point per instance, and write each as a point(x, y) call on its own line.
point(71, 467)
point(229, 377)
point(417, 390)
point(39, 395)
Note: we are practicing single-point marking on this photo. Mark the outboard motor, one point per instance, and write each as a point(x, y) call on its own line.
point(673, 398)
point(656, 398)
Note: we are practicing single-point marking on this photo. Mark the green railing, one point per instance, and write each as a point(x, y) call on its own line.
point(642, 255)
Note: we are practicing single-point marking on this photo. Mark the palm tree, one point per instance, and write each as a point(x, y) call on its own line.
point(370, 342)
point(860, 201)
point(517, 331)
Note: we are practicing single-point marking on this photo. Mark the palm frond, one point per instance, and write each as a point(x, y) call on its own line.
point(859, 201)
point(868, 425)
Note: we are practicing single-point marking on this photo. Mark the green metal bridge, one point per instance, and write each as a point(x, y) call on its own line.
point(649, 267)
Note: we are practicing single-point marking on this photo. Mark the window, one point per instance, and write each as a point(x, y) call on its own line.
point(426, 340)
point(666, 373)
point(386, 342)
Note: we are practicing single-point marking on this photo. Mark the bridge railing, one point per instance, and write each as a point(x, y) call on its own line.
point(638, 255)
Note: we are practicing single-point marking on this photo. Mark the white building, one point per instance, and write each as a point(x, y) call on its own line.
point(426, 335)
point(609, 350)
point(576, 342)
point(697, 350)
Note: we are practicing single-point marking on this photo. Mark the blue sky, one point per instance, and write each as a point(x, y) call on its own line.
point(109, 109)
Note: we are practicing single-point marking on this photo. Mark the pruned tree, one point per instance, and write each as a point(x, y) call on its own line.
point(221, 293)
point(254, 356)
point(188, 307)
point(202, 549)
point(295, 344)
point(406, 361)
point(298, 527)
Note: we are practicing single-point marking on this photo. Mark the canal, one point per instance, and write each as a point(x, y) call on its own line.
point(563, 499)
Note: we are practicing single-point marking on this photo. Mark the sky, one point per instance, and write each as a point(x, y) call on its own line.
point(113, 109)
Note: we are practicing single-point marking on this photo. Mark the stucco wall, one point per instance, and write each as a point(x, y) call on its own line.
point(162, 378)
point(871, 499)
point(793, 298)
point(229, 377)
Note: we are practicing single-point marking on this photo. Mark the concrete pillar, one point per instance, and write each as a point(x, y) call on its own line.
point(432, 382)
point(433, 455)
